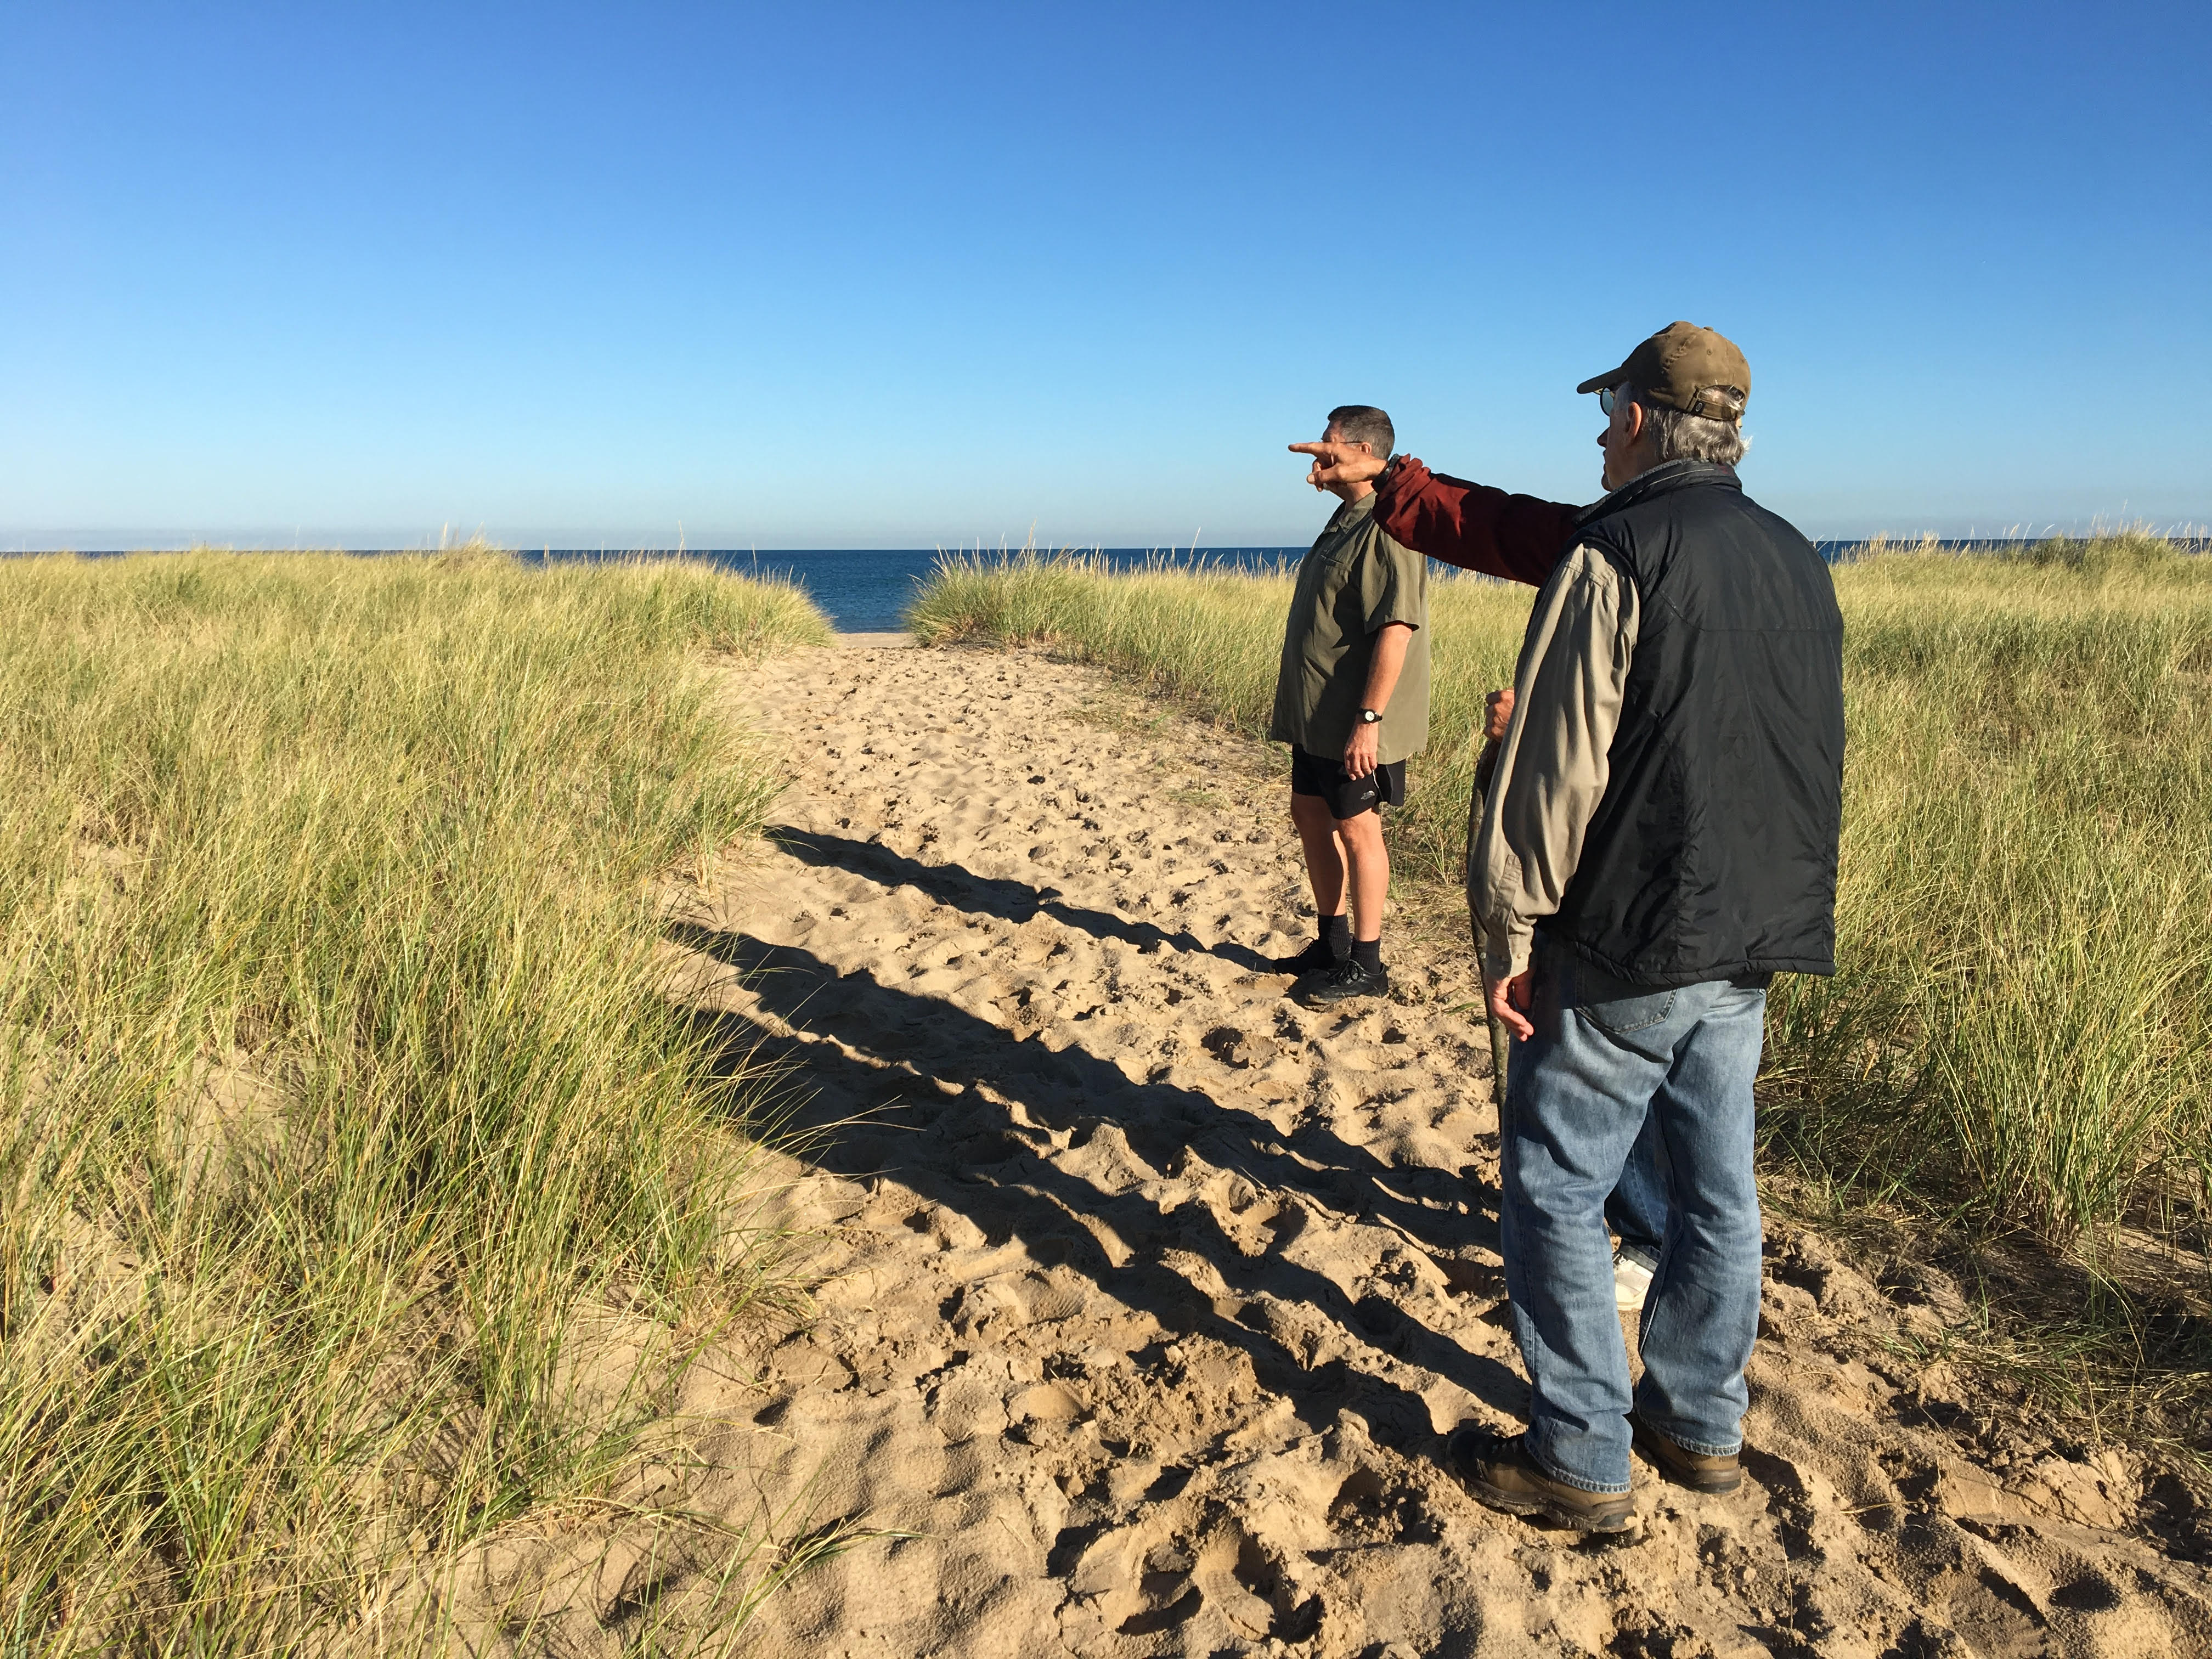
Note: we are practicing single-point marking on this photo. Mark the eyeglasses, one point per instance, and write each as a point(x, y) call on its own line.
point(1605, 402)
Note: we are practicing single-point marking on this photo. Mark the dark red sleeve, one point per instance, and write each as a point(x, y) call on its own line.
point(1473, 525)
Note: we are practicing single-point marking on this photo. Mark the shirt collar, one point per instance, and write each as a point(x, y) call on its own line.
point(1346, 512)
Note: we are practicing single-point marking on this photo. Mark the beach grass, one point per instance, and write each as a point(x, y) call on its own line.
point(362, 1187)
point(2019, 1038)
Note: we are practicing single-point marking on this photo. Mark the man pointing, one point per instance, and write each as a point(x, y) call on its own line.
point(1659, 840)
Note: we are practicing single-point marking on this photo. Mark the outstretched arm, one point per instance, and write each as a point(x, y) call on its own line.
point(1474, 526)
point(1520, 537)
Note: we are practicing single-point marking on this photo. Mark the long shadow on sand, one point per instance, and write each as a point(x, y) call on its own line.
point(1010, 901)
point(974, 1156)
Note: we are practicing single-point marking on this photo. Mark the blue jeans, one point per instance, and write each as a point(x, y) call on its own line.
point(1608, 1058)
point(1637, 1209)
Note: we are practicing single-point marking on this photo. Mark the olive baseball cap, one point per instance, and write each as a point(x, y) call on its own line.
point(1686, 367)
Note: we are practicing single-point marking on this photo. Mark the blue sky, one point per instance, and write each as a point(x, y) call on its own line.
point(829, 276)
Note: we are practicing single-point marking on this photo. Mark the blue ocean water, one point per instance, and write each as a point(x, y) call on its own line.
point(866, 590)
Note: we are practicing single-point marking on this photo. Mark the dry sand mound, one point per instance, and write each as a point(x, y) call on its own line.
point(1146, 1294)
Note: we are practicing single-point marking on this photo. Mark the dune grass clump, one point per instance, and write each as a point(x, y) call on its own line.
point(2019, 1029)
point(2025, 912)
point(340, 1091)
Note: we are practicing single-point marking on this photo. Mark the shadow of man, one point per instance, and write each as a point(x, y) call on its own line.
point(993, 1161)
point(1009, 901)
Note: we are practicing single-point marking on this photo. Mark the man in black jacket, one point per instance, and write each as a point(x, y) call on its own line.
point(1660, 841)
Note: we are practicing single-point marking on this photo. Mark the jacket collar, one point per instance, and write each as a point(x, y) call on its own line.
point(1664, 479)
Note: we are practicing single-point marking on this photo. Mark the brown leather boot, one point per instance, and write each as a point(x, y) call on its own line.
point(1698, 1471)
point(1499, 1472)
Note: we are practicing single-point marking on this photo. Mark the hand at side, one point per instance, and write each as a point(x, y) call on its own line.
point(1362, 750)
point(1509, 999)
point(1500, 714)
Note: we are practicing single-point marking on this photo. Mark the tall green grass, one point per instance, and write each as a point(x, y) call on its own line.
point(2021, 1024)
point(340, 1093)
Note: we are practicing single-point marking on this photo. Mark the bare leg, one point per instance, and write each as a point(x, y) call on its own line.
point(1317, 834)
point(1361, 837)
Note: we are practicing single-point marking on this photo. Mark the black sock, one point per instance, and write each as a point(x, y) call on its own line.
point(1336, 934)
point(1368, 953)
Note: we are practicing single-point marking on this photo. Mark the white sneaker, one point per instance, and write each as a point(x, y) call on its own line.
point(1631, 1280)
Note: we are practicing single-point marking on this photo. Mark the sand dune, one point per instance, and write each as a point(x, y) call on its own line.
point(1145, 1295)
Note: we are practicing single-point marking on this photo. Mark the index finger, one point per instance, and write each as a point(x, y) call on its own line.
point(1315, 449)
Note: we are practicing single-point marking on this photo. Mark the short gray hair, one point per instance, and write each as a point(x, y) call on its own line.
point(1695, 437)
point(1364, 423)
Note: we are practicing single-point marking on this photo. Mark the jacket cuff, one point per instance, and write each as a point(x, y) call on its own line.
point(1403, 476)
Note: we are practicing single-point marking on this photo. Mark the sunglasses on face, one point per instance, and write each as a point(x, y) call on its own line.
point(1605, 402)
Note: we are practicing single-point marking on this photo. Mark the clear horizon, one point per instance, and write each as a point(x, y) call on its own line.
point(182, 545)
point(867, 278)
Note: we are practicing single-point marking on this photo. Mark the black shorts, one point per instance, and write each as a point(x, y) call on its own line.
point(1347, 796)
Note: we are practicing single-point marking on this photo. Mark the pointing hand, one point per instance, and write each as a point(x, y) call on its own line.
point(1337, 462)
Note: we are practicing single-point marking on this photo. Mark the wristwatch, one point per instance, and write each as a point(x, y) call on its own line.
point(1369, 716)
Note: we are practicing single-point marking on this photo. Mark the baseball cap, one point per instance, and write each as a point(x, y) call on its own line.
point(1684, 367)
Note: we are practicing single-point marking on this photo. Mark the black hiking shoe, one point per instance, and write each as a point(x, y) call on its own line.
point(1316, 959)
point(1498, 1469)
point(1714, 1472)
point(1340, 982)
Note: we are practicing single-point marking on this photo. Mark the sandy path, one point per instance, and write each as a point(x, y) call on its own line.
point(1146, 1293)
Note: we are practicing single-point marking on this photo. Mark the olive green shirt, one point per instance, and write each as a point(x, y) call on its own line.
point(1354, 582)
